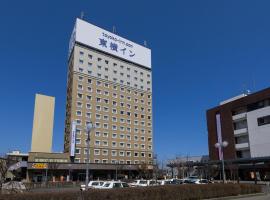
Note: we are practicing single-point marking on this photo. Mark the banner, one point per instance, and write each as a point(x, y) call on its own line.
point(73, 139)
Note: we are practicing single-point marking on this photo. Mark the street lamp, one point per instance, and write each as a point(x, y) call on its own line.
point(221, 146)
point(89, 127)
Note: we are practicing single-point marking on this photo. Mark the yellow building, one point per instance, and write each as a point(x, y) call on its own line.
point(43, 124)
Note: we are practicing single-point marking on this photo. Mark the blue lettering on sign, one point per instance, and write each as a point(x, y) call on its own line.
point(114, 42)
point(102, 42)
point(114, 46)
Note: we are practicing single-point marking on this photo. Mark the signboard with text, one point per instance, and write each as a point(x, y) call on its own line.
point(108, 42)
point(40, 166)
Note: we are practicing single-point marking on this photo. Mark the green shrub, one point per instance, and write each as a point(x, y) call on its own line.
point(174, 192)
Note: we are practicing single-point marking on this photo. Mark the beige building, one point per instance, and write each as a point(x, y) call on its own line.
point(109, 84)
point(43, 124)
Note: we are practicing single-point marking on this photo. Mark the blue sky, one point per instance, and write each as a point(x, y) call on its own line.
point(202, 53)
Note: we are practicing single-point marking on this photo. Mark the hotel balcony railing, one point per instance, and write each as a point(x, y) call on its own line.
point(239, 116)
point(242, 146)
point(242, 131)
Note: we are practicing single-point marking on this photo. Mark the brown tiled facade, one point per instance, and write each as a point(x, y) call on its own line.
point(116, 96)
point(227, 111)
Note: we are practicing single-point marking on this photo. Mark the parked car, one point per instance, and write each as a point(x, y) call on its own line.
point(152, 183)
point(177, 181)
point(139, 183)
point(93, 185)
point(114, 184)
point(202, 181)
point(165, 182)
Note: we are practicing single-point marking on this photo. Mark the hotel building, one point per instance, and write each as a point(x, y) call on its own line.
point(109, 84)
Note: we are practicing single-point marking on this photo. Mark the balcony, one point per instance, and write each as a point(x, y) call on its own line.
point(239, 132)
point(239, 117)
point(242, 146)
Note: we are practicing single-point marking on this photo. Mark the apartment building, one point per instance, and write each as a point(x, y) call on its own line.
point(109, 84)
point(244, 123)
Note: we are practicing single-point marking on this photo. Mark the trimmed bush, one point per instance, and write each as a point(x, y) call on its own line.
point(170, 192)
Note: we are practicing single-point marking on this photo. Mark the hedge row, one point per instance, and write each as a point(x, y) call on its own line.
point(170, 192)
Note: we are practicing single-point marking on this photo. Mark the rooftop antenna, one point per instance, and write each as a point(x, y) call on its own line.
point(114, 29)
point(145, 43)
point(82, 14)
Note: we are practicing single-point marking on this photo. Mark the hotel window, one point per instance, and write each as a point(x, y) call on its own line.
point(148, 82)
point(98, 116)
point(106, 85)
point(106, 93)
point(98, 108)
point(142, 123)
point(99, 59)
point(142, 154)
point(128, 83)
point(99, 67)
point(78, 132)
point(96, 160)
point(121, 153)
point(142, 146)
point(128, 113)
point(79, 113)
point(148, 89)
point(114, 119)
point(114, 135)
point(90, 64)
point(128, 75)
point(113, 161)
point(136, 130)
point(96, 152)
point(135, 78)
point(122, 112)
point(142, 138)
point(114, 64)
point(88, 97)
point(122, 120)
point(77, 151)
point(98, 99)
point(128, 153)
point(114, 111)
point(115, 87)
point(89, 72)
point(80, 78)
point(122, 136)
point(122, 128)
point(97, 143)
point(142, 131)
point(106, 117)
point(128, 129)
point(136, 138)
point(106, 109)
point(106, 61)
point(104, 161)
point(77, 160)
point(78, 140)
point(136, 146)
point(122, 162)
point(128, 137)
point(80, 87)
point(121, 81)
point(114, 95)
point(90, 56)
point(128, 121)
point(114, 103)
point(136, 122)
point(97, 125)
point(89, 81)
point(105, 126)
point(79, 122)
point(88, 106)
point(98, 83)
point(79, 95)
point(136, 154)
point(128, 145)
point(99, 75)
point(122, 74)
point(97, 134)
point(114, 153)
point(79, 104)
point(105, 134)
point(89, 89)
point(81, 61)
point(105, 143)
point(114, 127)
point(121, 66)
point(99, 91)
point(149, 147)
point(114, 144)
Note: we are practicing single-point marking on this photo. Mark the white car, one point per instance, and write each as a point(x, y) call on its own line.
point(93, 185)
point(201, 181)
point(114, 184)
point(165, 182)
point(152, 183)
point(139, 183)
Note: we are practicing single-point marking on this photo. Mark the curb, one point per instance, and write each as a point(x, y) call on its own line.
point(239, 196)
